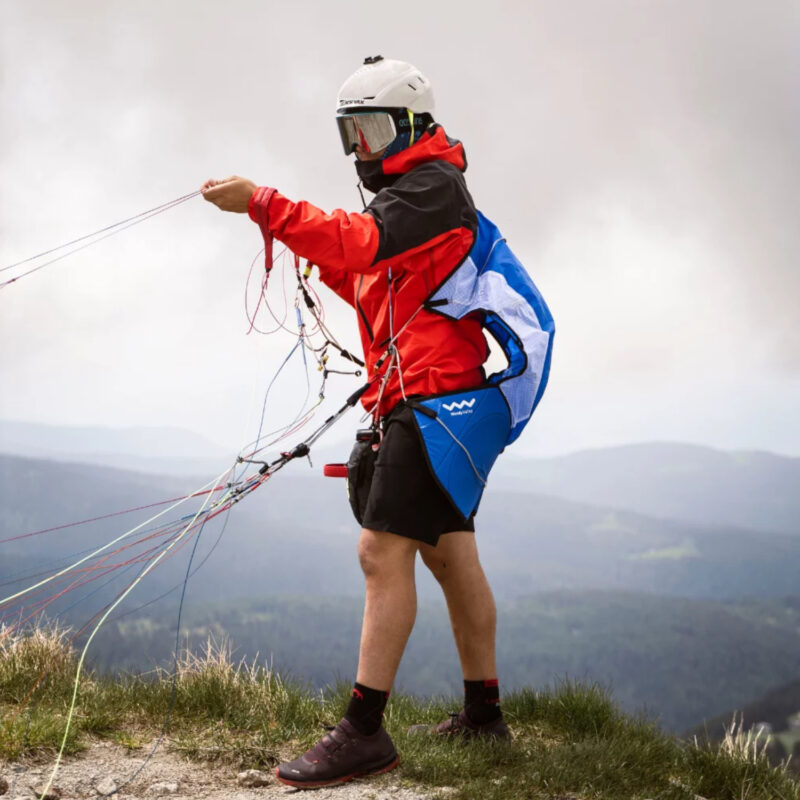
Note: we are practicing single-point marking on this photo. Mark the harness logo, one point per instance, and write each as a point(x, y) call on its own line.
point(463, 406)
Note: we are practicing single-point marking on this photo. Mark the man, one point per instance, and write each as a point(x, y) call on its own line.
point(386, 261)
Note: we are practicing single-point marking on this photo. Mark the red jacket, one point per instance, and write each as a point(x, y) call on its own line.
point(421, 223)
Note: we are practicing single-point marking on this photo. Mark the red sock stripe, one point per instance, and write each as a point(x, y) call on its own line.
point(491, 682)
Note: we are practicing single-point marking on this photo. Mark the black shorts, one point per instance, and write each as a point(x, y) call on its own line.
point(395, 490)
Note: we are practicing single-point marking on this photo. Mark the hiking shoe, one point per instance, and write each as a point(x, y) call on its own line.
point(459, 724)
point(340, 756)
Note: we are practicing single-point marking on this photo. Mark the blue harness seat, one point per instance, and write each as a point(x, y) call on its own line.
point(464, 432)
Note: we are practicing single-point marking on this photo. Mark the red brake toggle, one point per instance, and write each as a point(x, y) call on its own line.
point(335, 470)
point(265, 232)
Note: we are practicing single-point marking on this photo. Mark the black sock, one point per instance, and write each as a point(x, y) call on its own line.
point(482, 701)
point(365, 710)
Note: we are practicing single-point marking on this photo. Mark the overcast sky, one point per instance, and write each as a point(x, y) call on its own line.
point(641, 158)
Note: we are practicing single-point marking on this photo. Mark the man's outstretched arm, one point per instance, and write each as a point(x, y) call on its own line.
point(339, 240)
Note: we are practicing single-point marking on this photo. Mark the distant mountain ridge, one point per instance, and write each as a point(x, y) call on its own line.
point(528, 542)
point(774, 707)
point(157, 450)
point(154, 450)
point(144, 441)
point(745, 489)
point(691, 483)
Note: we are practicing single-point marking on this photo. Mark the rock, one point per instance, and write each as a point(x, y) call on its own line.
point(3, 785)
point(53, 793)
point(83, 788)
point(162, 789)
point(253, 778)
point(105, 786)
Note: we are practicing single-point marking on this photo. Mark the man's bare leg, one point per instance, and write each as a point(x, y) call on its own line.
point(391, 605)
point(455, 564)
point(359, 744)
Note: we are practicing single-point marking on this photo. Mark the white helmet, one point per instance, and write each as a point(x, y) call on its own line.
point(386, 83)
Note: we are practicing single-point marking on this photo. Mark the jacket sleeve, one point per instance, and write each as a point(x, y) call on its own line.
point(340, 281)
point(422, 209)
point(337, 241)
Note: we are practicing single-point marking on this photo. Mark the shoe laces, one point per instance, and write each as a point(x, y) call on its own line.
point(333, 743)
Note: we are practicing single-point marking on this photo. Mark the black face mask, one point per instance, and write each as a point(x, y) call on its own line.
point(372, 175)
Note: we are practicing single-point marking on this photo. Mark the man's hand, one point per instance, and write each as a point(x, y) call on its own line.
point(231, 194)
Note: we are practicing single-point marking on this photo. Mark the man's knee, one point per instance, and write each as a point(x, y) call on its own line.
point(435, 562)
point(380, 552)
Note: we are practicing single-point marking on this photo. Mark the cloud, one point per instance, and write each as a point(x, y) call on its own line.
point(642, 159)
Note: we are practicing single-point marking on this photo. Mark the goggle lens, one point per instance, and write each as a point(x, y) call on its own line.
point(371, 130)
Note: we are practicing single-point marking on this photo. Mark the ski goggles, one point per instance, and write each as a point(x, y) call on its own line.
point(372, 130)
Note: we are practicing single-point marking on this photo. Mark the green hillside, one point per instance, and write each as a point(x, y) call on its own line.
point(779, 708)
point(588, 592)
point(683, 660)
point(569, 740)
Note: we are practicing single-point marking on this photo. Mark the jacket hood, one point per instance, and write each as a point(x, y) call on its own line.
point(433, 145)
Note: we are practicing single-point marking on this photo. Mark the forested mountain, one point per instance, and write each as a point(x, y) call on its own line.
point(775, 707)
point(682, 660)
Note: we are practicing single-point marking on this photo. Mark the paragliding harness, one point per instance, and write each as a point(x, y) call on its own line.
point(463, 432)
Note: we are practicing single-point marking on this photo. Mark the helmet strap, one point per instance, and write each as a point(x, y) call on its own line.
point(407, 133)
point(358, 186)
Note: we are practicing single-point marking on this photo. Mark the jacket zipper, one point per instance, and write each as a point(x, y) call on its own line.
point(361, 310)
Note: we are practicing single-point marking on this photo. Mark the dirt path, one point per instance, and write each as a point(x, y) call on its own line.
point(170, 776)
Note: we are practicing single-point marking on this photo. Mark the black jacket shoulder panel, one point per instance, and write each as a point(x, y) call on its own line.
point(420, 205)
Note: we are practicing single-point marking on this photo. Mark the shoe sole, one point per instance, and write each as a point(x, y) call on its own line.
point(344, 779)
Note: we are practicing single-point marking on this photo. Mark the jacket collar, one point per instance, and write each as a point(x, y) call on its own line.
point(433, 145)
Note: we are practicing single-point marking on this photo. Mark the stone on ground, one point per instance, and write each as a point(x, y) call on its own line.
point(105, 786)
point(53, 793)
point(162, 789)
point(253, 778)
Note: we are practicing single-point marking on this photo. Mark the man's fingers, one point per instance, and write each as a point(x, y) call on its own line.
point(224, 180)
point(211, 194)
point(212, 182)
point(230, 194)
point(217, 190)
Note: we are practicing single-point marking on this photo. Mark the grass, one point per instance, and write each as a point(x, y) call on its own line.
point(570, 740)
